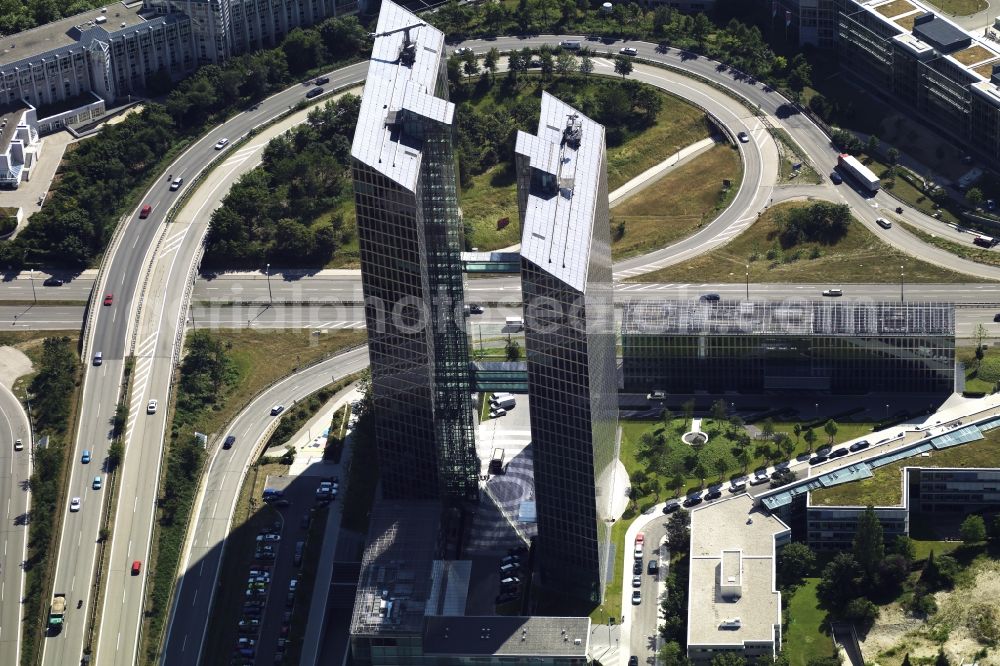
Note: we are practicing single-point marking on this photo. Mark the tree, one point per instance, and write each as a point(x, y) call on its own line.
point(942, 658)
point(688, 409)
point(795, 561)
point(743, 458)
point(906, 660)
point(797, 431)
point(678, 534)
point(840, 579)
point(586, 65)
point(470, 65)
point(869, 545)
point(623, 65)
point(893, 570)
point(547, 64)
point(721, 465)
point(810, 438)
point(974, 196)
point(904, 547)
point(677, 482)
point(513, 350)
point(973, 529)
point(871, 145)
point(654, 486)
point(719, 411)
point(728, 658)
point(671, 655)
point(700, 471)
point(786, 444)
point(491, 60)
point(666, 417)
point(862, 612)
point(830, 428)
point(566, 64)
point(892, 155)
point(767, 428)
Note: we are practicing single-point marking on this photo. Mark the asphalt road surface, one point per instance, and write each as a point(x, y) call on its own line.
point(214, 509)
point(15, 469)
point(645, 616)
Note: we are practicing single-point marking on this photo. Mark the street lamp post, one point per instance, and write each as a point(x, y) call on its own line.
point(900, 284)
point(270, 297)
point(31, 277)
point(748, 282)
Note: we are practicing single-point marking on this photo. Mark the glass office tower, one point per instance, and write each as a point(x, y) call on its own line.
point(566, 279)
point(410, 236)
point(757, 347)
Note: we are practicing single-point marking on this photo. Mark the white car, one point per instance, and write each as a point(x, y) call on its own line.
point(461, 50)
point(151, 407)
point(636, 581)
point(222, 143)
point(176, 184)
point(743, 137)
point(18, 445)
point(636, 597)
point(497, 413)
point(74, 504)
point(629, 51)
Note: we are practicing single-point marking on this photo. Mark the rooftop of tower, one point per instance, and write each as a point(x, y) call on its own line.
point(566, 158)
point(402, 77)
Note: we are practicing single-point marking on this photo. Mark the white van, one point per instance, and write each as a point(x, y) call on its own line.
point(516, 323)
point(574, 44)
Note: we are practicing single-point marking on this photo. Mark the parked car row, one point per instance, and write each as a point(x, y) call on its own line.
point(266, 545)
point(250, 621)
point(511, 575)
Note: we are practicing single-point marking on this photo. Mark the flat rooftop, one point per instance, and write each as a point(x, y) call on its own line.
point(856, 319)
point(730, 535)
point(560, 208)
point(397, 568)
point(507, 636)
point(66, 32)
point(394, 89)
point(885, 486)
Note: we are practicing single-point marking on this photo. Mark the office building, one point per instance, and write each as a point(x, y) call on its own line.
point(73, 68)
point(414, 607)
point(812, 22)
point(411, 238)
point(944, 471)
point(19, 145)
point(910, 54)
point(758, 346)
point(562, 190)
point(733, 600)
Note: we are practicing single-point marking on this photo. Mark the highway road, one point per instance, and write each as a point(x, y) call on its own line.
point(226, 469)
point(15, 469)
point(112, 328)
point(112, 332)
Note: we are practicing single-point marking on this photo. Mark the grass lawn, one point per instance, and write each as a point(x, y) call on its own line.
point(960, 7)
point(761, 452)
point(678, 204)
point(612, 606)
point(261, 357)
point(493, 194)
point(973, 381)
point(249, 518)
point(884, 488)
point(857, 257)
point(971, 252)
point(804, 640)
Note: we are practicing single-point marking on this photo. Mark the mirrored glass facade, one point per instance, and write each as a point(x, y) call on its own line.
point(682, 347)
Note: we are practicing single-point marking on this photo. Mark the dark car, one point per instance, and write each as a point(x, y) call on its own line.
point(693, 500)
point(475, 309)
point(52, 282)
point(712, 494)
point(836, 178)
point(314, 92)
point(228, 443)
point(858, 446)
point(709, 297)
point(996, 317)
point(321, 80)
point(671, 507)
point(836, 453)
point(637, 568)
point(633, 661)
point(653, 567)
point(816, 460)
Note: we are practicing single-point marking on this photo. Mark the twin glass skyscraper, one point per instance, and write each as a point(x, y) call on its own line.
point(410, 236)
point(566, 286)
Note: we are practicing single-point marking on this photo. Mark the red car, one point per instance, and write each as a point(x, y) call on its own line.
point(108, 298)
point(136, 567)
point(144, 213)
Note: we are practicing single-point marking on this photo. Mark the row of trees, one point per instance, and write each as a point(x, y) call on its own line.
point(281, 211)
point(207, 372)
point(99, 179)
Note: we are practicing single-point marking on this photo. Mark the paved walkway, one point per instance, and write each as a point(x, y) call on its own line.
point(654, 173)
point(27, 194)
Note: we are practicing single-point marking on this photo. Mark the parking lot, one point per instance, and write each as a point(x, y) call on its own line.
point(272, 581)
